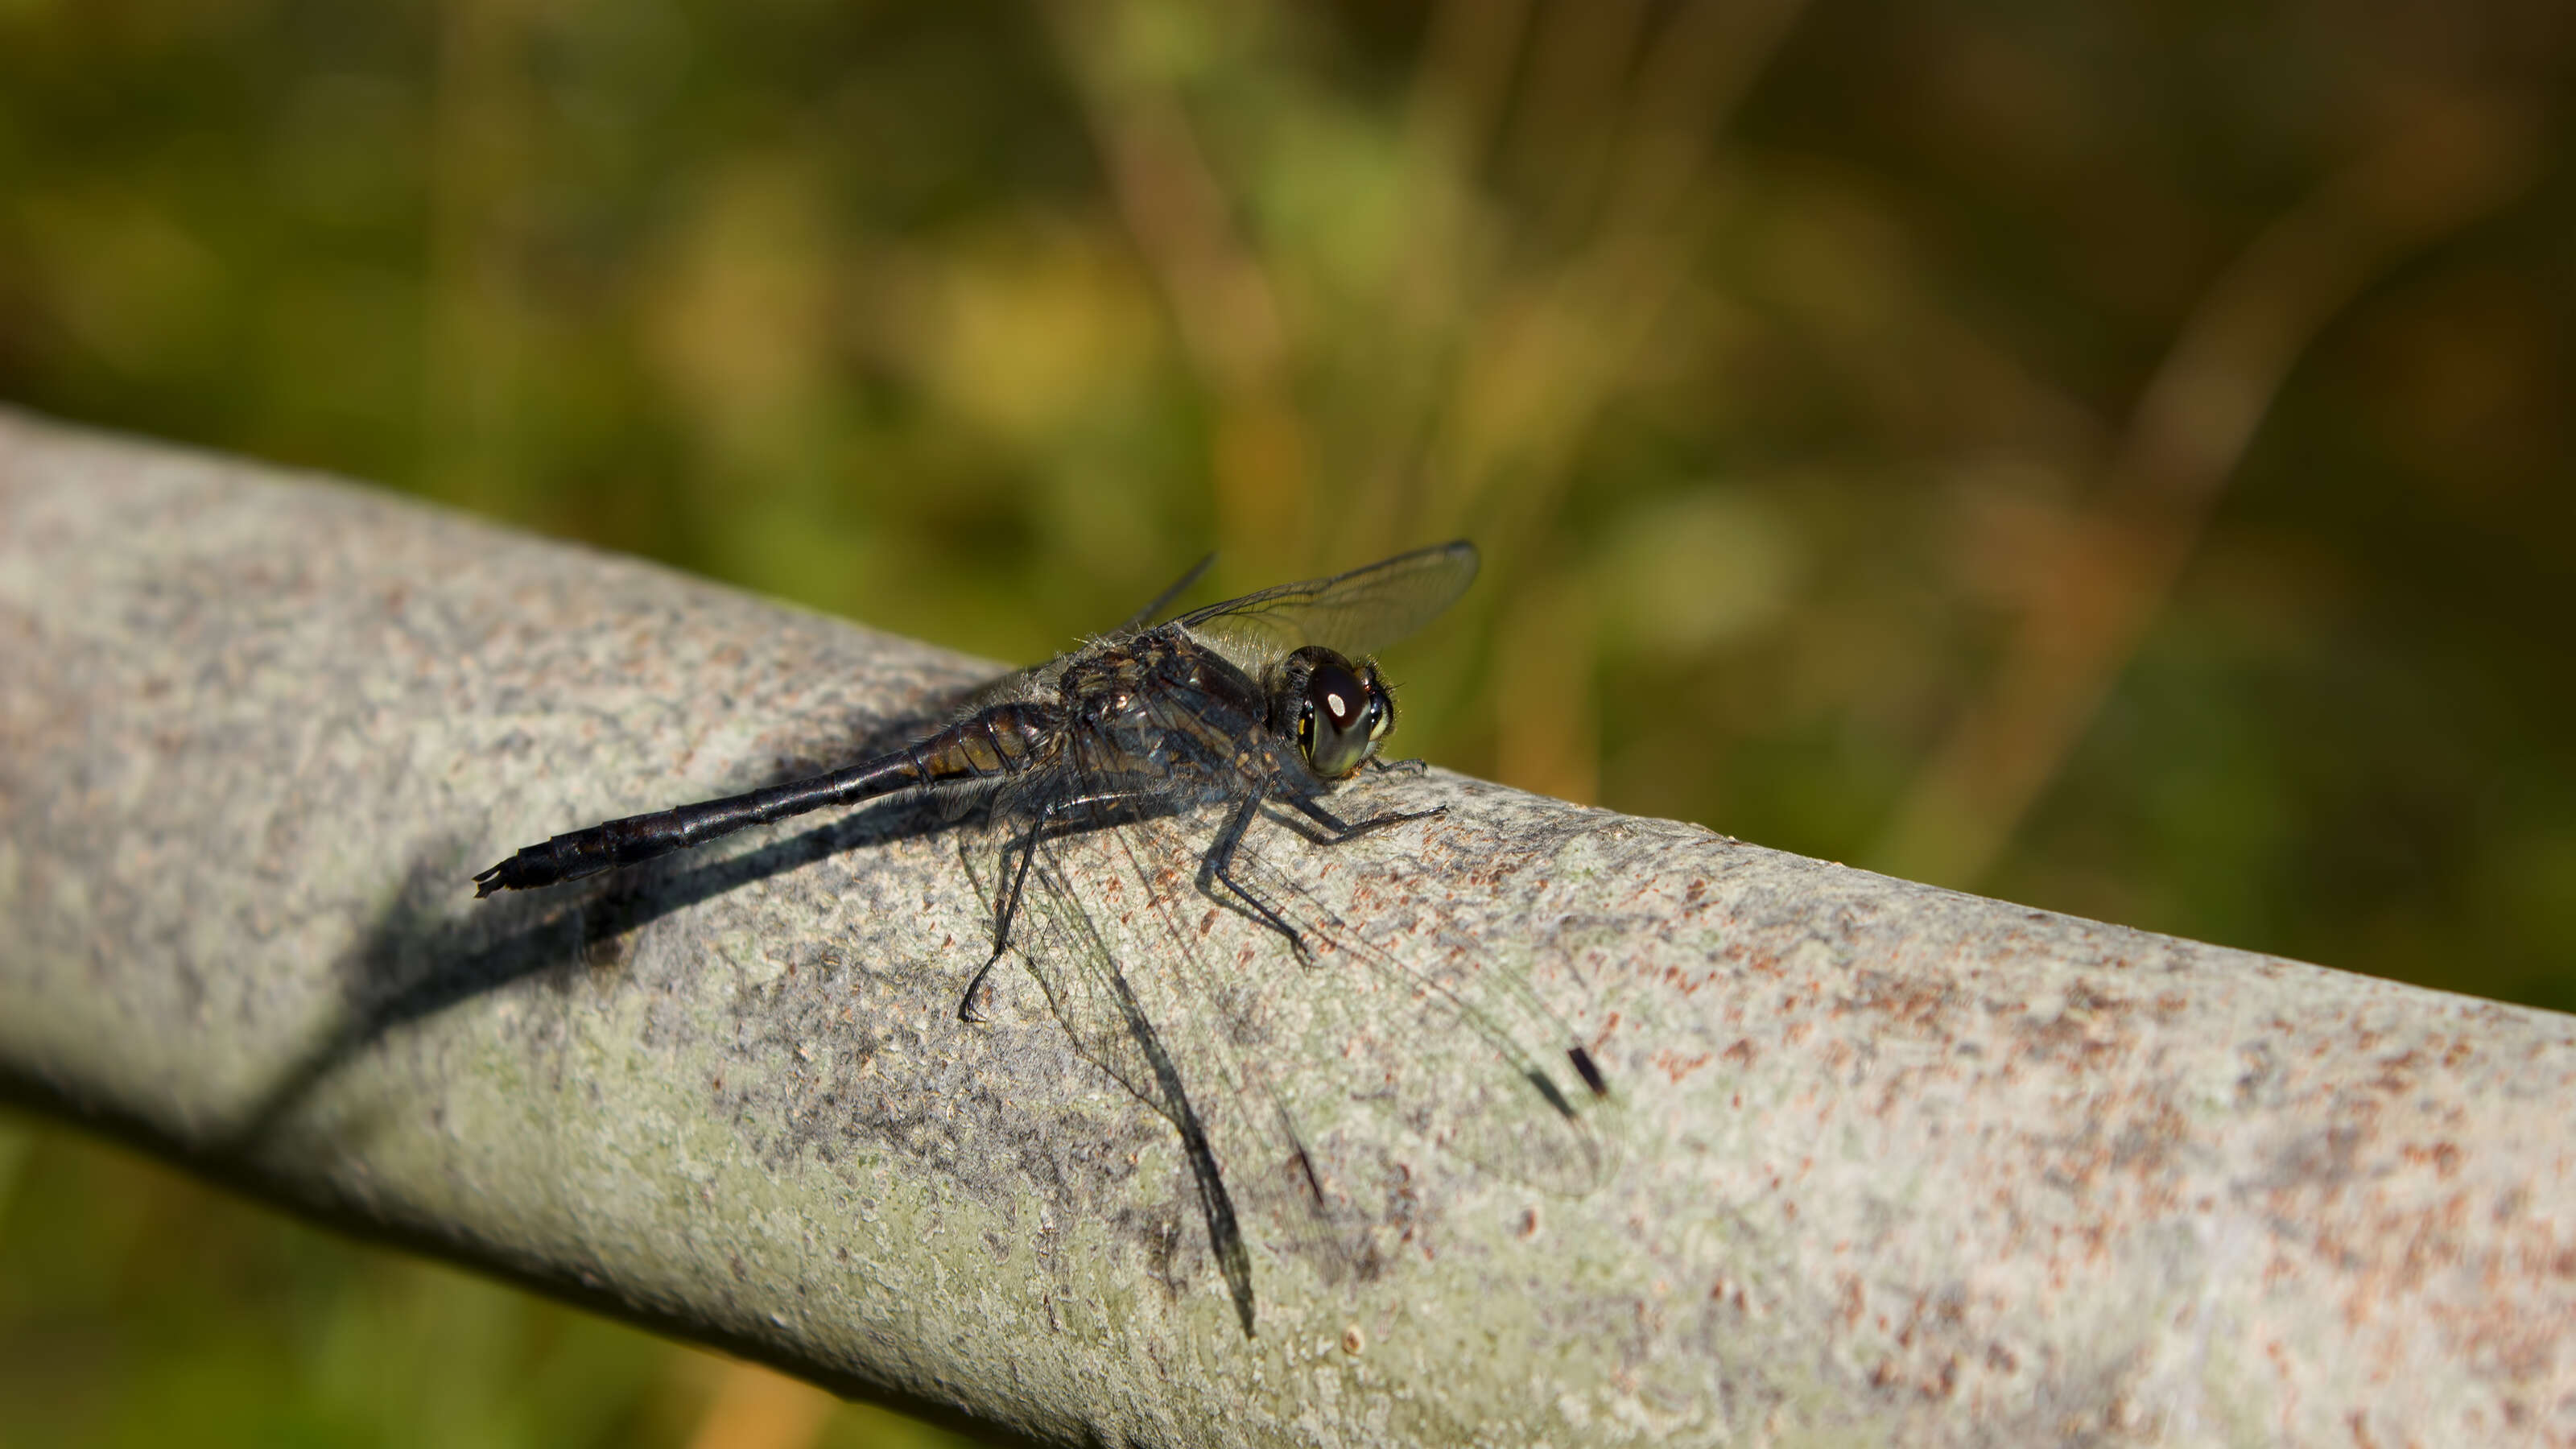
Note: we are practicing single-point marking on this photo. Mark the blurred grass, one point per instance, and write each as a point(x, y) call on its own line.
point(2117, 458)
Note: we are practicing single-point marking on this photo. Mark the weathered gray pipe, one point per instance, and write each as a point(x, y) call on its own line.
point(1888, 1163)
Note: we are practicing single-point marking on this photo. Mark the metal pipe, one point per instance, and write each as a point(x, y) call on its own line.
point(1881, 1162)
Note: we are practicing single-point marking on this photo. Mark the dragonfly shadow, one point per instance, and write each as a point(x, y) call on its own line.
point(422, 956)
point(1136, 783)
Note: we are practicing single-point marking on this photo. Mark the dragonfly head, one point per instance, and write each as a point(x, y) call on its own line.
point(1337, 711)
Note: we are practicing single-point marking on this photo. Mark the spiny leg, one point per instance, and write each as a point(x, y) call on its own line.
point(1007, 910)
point(1346, 830)
point(1342, 830)
point(1217, 866)
point(1009, 906)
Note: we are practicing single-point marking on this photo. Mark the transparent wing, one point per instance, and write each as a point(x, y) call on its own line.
point(1325, 1104)
point(1356, 613)
point(1148, 614)
point(1422, 1026)
point(1094, 901)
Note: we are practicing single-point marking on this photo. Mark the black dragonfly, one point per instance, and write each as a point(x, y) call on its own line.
point(1127, 779)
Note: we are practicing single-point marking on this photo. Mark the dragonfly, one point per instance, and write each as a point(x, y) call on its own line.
point(1178, 773)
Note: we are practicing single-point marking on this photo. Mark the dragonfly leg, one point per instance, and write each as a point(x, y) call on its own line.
point(1218, 865)
point(1007, 910)
point(1345, 830)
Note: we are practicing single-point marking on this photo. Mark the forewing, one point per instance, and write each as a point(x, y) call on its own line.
point(1124, 945)
point(1338, 1090)
point(1442, 1044)
point(1095, 902)
point(1356, 613)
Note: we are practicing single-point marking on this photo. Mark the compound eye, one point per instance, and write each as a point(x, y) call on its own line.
point(1340, 720)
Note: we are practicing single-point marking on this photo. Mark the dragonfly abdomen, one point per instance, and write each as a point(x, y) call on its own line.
point(1003, 740)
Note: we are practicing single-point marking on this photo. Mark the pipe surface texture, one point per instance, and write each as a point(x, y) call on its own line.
point(1878, 1163)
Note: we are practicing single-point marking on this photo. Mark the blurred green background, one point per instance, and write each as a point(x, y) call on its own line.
point(2111, 457)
